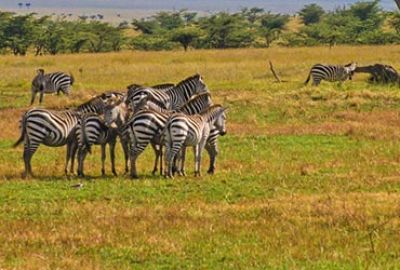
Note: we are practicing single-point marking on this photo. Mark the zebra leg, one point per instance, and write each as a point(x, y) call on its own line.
point(316, 82)
point(125, 147)
point(41, 97)
point(196, 160)
point(157, 153)
point(33, 97)
point(197, 150)
point(181, 169)
point(212, 151)
point(103, 159)
point(112, 157)
point(29, 150)
point(135, 152)
point(82, 152)
point(69, 150)
point(73, 155)
point(161, 159)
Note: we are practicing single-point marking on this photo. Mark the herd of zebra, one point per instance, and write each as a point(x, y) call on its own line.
point(166, 115)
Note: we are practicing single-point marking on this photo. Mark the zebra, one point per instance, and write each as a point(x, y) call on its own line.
point(164, 86)
point(196, 104)
point(52, 128)
point(50, 83)
point(94, 106)
point(330, 73)
point(172, 98)
point(146, 126)
point(191, 130)
point(92, 130)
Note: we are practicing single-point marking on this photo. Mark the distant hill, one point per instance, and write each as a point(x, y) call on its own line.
point(281, 6)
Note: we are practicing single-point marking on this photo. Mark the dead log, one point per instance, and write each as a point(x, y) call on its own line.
point(271, 67)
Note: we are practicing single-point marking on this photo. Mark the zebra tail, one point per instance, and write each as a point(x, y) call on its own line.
point(308, 78)
point(23, 131)
point(72, 78)
point(85, 138)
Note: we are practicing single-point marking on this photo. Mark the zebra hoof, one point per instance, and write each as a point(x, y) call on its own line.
point(197, 174)
point(210, 172)
point(103, 172)
point(134, 176)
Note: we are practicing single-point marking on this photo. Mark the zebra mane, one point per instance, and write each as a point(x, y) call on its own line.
point(163, 86)
point(212, 112)
point(196, 98)
point(196, 77)
point(94, 103)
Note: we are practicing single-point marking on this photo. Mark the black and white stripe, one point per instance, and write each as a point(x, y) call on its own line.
point(330, 73)
point(50, 83)
point(191, 130)
point(146, 125)
point(52, 128)
point(172, 98)
point(91, 130)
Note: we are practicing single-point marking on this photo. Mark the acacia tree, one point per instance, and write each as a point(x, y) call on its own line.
point(185, 36)
point(311, 14)
point(272, 26)
point(19, 33)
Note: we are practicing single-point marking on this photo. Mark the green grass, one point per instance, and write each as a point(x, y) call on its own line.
point(307, 178)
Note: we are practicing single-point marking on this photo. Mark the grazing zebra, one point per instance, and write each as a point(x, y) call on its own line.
point(92, 130)
point(191, 130)
point(52, 128)
point(50, 83)
point(330, 73)
point(172, 98)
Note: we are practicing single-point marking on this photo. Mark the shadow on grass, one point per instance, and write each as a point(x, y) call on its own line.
point(85, 178)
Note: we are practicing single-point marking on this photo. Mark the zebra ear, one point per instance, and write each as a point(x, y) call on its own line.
point(40, 71)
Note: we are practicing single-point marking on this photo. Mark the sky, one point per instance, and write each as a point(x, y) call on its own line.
point(281, 6)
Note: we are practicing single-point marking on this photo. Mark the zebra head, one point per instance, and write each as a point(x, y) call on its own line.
point(115, 113)
point(349, 69)
point(216, 115)
point(38, 81)
point(220, 122)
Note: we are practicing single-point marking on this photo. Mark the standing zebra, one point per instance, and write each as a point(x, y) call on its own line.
point(191, 130)
point(50, 83)
point(147, 124)
point(172, 98)
point(93, 106)
point(92, 130)
point(330, 73)
point(52, 128)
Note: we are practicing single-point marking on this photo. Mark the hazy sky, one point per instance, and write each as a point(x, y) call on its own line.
point(199, 5)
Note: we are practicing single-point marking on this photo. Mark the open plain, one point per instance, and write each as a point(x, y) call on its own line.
point(307, 177)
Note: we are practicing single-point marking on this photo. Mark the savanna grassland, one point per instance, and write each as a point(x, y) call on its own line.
point(307, 177)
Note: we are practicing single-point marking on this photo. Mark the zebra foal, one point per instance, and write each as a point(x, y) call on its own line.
point(330, 73)
point(50, 83)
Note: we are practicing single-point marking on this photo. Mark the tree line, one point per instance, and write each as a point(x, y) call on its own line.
point(360, 23)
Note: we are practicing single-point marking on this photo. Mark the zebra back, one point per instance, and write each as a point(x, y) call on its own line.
point(185, 89)
point(197, 104)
